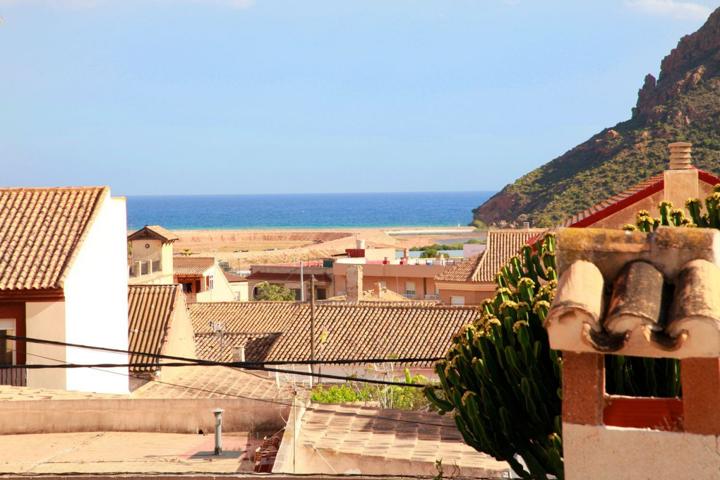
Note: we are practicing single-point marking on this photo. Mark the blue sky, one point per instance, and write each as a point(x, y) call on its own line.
point(292, 96)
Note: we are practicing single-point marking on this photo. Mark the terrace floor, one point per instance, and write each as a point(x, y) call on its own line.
point(124, 452)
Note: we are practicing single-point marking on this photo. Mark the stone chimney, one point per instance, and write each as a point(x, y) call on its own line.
point(681, 178)
point(680, 155)
point(354, 283)
point(239, 354)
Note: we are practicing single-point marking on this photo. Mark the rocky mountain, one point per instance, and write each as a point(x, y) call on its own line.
point(682, 104)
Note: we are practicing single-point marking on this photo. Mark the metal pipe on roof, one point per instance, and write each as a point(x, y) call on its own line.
point(218, 430)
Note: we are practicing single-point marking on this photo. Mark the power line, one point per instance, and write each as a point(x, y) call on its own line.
point(185, 361)
point(255, 399)
point(343, 361)
point(188, 362)
point(45, 366)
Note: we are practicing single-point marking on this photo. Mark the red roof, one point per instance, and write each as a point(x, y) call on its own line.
point(629, 197)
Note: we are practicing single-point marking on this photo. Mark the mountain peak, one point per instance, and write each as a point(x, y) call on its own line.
point(683, 103)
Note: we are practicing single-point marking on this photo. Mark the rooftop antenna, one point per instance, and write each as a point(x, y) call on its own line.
point(218, 329)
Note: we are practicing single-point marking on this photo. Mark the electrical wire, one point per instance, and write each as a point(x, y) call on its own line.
point(342, 361)
point(255, 399)
point(192, 362)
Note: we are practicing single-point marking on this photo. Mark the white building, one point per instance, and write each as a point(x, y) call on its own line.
point(63, 277)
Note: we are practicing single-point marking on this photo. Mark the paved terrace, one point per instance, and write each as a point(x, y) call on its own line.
point(124, 452)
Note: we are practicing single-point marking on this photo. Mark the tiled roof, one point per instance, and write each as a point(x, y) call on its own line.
point(154, 231)
point(40, 231)
point(627, 198)
point(461, 271)
point(367, 331)
point(212, 382)
point(234, 277)
point(633, 293)
point(341, 330)
point(501, 246)
point(150, 310)
point(246, 317)
point(382, 435)
point(222, 347)
point(191, 265)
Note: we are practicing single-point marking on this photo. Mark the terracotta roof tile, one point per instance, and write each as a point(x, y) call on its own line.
point(245, 317)
point(641, 190)
point(150, 310)
point(222, 347)
point(461, 271)
point(154, 231)
point(40, 231)
point(386, 434)
point(191, 265)
point(341, 330)
point(501, 246)
point(365, 331)
point(648, 295)
point(234, 277)
point(212, 382)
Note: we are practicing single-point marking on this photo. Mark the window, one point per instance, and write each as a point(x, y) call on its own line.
point(320, 293)
point(7, 347)
point(210, 282)
point(410, 291)
point(457, 300)
point(297, 292)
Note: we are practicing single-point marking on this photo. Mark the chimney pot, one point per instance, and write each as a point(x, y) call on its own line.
point(354, 283)
point(680, 156)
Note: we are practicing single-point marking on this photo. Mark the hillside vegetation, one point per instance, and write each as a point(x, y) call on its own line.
point(683, 104)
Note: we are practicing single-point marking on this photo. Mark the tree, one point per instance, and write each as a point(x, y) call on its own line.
point(273, 292)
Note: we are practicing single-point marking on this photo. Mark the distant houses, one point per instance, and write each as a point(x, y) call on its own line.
point(152, 262)
point(202, 279)
point(151, 255)
point(473, 280)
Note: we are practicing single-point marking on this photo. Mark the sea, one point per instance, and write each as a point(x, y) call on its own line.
point(326, 210)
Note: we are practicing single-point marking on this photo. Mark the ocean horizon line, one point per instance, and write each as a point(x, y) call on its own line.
point(304, 211)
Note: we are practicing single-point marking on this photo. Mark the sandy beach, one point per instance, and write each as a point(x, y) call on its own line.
point(242, 248)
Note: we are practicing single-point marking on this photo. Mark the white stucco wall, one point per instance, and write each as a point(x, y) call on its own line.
point(45, 320)
point(614, 452)
point(221, 291)
point(96, 306)
point(241, 291)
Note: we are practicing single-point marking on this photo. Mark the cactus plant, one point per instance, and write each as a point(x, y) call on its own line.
point(675, 217)
point(500, 377)
point(501, 380)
